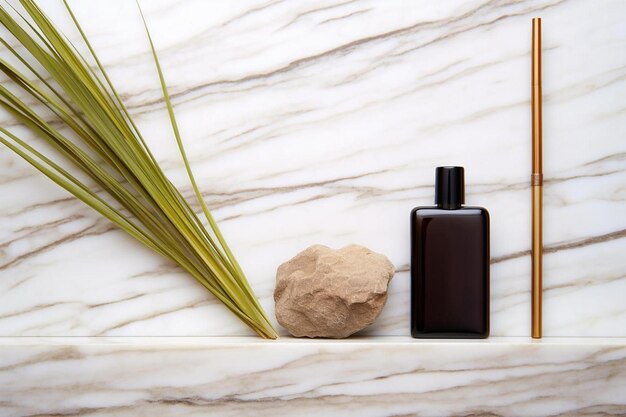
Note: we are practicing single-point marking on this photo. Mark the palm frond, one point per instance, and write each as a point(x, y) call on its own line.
point(94, 135)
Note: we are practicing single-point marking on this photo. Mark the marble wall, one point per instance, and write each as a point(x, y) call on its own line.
point(322, 122)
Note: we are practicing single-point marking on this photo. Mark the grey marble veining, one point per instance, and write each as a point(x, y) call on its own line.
point(322, 122)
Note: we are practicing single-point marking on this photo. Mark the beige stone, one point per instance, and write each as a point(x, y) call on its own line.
point(323, 292)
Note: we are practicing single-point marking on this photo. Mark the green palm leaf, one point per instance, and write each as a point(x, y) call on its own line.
point(125, 183)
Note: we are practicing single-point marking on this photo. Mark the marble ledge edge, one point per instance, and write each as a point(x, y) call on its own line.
point(156, 341)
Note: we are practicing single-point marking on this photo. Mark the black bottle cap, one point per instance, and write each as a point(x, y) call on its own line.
point(449, 187)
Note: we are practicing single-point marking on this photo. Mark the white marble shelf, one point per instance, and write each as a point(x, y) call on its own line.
point(381, 376)
point(250, 341)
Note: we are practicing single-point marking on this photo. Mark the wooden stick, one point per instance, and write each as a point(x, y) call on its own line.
point(537, 183)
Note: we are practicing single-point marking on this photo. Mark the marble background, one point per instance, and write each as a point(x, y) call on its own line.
point(322, 122)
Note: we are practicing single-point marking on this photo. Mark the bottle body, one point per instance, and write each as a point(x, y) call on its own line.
point(449, 272)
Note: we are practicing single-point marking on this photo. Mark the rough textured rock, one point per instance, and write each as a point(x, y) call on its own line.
point(323, 292)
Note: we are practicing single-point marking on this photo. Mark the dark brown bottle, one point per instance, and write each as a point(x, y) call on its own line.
point(449, 263)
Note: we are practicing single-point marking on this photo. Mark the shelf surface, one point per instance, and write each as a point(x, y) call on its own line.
point(288, 340)
point(385, 376)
